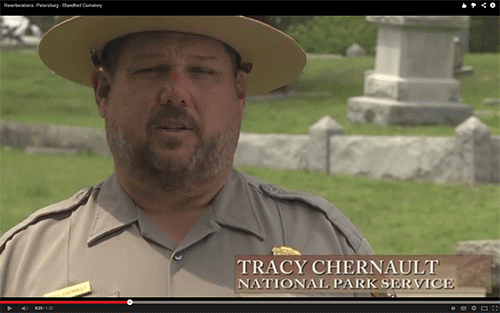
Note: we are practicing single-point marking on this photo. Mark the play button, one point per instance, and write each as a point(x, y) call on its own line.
point(8, 308)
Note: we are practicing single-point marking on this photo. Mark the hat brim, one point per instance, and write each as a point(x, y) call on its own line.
point(277, 59)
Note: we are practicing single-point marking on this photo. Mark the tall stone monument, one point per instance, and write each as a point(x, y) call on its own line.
point(458, 67)
point(412, 83)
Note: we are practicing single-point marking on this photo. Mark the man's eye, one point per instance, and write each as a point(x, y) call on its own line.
point(201, 70)
point(158, 69)
point(163, 69)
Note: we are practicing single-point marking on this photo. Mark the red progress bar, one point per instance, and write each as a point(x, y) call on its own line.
point(64, 302)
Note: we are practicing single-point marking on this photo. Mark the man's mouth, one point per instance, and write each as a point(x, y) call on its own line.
point(175, 125)
point(176, 128)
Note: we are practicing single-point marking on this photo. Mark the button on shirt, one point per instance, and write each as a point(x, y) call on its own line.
point(100, 235)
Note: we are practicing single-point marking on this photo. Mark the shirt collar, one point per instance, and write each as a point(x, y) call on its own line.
point(232, 207)
point(115, 210)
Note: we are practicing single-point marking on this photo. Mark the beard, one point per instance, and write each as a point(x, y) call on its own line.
point(209, 160)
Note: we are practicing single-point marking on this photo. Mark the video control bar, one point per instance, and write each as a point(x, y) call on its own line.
point(285, 305)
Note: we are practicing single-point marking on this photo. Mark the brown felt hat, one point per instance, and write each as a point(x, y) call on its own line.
point(276, 58)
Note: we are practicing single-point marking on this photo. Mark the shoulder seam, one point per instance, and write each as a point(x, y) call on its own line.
point(270, 190)
point(33, 218)
point(353, 237)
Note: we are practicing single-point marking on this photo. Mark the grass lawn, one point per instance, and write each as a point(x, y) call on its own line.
point(396, 217)
point(31, 93)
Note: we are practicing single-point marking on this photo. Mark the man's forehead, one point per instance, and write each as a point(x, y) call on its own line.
point(164, 39)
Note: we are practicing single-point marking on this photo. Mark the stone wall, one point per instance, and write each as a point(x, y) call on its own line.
point(495, 165)
point(401, 158)
point(471, 156)
point(33, 136)
point(280, 151)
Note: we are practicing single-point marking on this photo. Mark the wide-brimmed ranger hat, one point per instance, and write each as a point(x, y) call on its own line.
point(276, 58)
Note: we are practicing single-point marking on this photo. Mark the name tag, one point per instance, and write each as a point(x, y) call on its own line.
point(72, 291)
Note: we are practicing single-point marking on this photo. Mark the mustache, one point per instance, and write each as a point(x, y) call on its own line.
point(172, 112)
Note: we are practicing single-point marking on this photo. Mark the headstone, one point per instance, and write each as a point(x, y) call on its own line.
point(412, 83)
point(489, 102)
point(355, 51)
point(474, 143)
point(459, 54)
point(463, 36)
point(458, 60)
point(319, 133)
point(484, 247)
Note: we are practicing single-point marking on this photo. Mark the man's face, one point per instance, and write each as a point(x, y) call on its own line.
point(165, 81)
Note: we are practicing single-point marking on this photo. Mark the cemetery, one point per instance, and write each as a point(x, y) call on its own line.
point(413, 83)
point(418, 61)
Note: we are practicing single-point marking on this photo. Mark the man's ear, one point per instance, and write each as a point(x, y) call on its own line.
point(241, 89)
point(101, 83)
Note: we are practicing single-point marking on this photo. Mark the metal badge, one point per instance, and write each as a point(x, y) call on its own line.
point(285, 251)
point(72, 291)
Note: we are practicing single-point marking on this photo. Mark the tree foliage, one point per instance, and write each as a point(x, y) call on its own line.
point(484, 34)
point(334, 34)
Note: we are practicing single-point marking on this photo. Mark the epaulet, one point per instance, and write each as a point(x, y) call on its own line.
point(334, 215)
point(63, 206)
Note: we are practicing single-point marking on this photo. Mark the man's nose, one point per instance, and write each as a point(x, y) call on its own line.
point(177, 88)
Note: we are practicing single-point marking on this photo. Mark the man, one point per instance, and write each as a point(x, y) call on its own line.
point(173, 216)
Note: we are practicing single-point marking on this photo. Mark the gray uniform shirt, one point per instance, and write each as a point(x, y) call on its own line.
point(101, 236)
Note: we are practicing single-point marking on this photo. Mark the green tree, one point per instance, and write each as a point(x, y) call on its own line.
point(334, 34)
point(44, 22)
point(484, 34)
